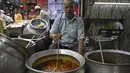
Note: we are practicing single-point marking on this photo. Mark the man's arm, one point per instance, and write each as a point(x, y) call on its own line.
point(54, 29)
point(81, 36)
point(81, 46)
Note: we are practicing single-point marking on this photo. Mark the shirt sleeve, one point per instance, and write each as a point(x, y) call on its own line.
point(81, 29)
point(54, 28)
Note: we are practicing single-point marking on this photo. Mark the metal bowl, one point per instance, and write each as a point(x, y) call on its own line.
point(38, 55)
point(115, 61)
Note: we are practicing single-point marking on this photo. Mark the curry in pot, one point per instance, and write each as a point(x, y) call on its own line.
point(48, 63)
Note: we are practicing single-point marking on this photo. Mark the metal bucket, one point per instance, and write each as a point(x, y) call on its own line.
point(115, 61)
point(12, 56)
point(28, 44)
point(38, 55)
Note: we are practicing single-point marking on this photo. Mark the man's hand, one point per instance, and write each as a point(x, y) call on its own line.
point(55, 36)
point(81, 46)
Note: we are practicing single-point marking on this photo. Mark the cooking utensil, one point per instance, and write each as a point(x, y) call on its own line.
point(57, 55)
point(115, 61)
point(5, 39)
point(100, 46)
point(38, 55)
point(12, 56)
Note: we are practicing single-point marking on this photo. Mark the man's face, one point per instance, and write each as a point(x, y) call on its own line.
point(37, 11)
point(69, 8)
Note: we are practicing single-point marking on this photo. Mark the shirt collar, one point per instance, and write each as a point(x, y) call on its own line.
point(63, 16)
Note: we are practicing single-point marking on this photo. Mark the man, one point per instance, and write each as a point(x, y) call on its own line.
point(68, 30)
point(37, 12)
point(42, 13)
point(2, 25)
point(18, 16)
point(7, 19)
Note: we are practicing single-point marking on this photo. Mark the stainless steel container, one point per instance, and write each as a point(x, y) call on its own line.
point(38, 40)
point(115, 61)
point(32, 28)
point(38, 55)
point(12, 56)
point(8, 41)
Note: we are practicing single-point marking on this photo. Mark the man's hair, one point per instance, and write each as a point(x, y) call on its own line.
point(73, 2)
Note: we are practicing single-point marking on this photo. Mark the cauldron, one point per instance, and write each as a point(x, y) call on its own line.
point(29, 63)
point(12, 56)
point(115, 61)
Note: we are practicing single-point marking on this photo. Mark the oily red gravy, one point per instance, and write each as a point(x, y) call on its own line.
point(62, 65)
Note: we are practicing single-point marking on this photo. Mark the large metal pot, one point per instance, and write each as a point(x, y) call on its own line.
point(39, 41)
point(32, 28)
point(115, 61)
point(28, 44)
point(6, 40)
point(38, 55)
point(12, 56)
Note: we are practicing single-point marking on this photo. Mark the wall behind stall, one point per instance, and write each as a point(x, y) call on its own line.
point(93, 12)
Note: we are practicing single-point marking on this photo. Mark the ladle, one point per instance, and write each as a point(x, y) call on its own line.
point(58, 42)
point(101, 49)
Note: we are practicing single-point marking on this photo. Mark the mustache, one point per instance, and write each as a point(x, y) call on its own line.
point(69, 13)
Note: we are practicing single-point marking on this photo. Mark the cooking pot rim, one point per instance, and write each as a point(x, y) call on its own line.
point(83, 63)
point(46, 24)
point(106, 50)
point(32, 42)
point(43, 36)
point(40, 71)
